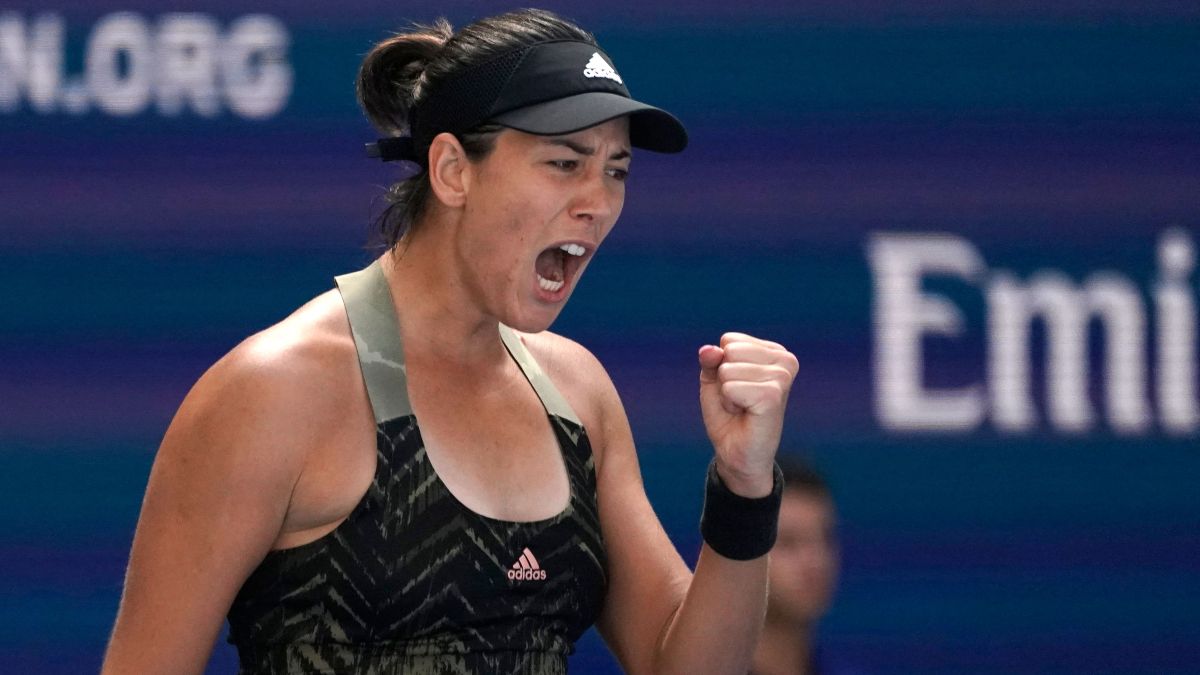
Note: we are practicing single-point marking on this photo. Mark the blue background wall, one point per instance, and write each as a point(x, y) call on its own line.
point(135, 250)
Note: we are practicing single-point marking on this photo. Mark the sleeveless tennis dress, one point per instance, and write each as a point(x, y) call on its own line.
point(413, 581)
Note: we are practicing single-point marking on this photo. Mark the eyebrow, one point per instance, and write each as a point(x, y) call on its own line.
point(585, 150)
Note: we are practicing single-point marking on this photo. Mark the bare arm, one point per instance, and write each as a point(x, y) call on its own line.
point(660, 618)
point(216, 500)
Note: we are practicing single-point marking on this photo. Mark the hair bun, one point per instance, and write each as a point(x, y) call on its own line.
point(391, 74)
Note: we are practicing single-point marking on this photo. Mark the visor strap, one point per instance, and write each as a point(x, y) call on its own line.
point(394, 149)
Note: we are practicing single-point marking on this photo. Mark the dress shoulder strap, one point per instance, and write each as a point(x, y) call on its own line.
point(377, 339)
point(553, 401)
point(376, 334)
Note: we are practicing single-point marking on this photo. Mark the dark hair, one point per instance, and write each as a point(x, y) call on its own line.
point(800, 476)
point(397, 72)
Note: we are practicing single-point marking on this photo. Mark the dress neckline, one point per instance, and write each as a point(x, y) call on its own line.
point(375, 327)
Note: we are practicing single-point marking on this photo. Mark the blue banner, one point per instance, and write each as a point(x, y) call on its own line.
point(975, 226)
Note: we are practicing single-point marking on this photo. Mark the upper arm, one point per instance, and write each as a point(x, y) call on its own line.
point(647, 579)
point(217, 496)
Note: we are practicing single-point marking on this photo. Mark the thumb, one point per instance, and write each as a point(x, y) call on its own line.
point(713, 405)
point(710, 357)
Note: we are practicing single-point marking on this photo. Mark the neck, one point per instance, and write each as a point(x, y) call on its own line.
point(440, 317)
point(785, 648)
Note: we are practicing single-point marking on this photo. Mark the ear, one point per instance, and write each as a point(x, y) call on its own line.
point(448, 170)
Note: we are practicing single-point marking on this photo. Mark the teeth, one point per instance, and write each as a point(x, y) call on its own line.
point(573, 249)
point(549, 285)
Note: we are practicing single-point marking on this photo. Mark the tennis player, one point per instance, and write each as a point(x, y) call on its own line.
point(410, 473)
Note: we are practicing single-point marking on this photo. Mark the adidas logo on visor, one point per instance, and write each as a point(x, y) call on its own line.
point(597, 67)
point(527, 568)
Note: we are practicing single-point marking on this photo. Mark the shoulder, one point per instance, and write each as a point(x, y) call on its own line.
point(576, 372)
point(305, 351)
point(568, 362)
point(287, 381)
point(581, 379)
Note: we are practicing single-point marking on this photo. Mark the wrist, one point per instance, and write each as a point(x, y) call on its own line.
point(748, 483)
point(738, 527)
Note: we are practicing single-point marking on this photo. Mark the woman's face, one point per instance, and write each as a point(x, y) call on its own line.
point(536, 210)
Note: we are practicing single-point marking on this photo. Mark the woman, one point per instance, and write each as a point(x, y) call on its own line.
point(295, 490)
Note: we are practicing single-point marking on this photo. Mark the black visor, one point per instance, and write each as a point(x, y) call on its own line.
point(549, 88)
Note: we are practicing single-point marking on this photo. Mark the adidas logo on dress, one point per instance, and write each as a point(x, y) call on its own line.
point(526, 568)
point(597, 67)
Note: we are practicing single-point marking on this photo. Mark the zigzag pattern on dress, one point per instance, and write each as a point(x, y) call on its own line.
point(414, 582)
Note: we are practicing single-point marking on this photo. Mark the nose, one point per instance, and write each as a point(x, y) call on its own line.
point(598, 200)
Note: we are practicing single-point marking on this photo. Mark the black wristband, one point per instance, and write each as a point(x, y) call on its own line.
point(737, 527)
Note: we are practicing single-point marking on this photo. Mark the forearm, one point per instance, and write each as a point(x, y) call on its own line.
point(744, 384)
point(717, 624)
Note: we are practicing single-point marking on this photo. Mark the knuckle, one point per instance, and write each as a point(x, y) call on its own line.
point(746, 350)
point(773, 385)
point(780, 371)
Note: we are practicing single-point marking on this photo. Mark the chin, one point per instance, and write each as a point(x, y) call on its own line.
point(531, 327)
point(531, 322)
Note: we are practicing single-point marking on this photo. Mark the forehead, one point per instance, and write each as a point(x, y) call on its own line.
point(608, 137)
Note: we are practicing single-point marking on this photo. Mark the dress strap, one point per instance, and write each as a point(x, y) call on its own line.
point(553, 401)
point(376, 333)
point(377, 338)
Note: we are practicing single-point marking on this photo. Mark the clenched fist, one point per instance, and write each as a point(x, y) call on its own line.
point(744, 385)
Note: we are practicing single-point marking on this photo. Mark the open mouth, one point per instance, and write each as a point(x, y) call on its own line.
point(557, 265)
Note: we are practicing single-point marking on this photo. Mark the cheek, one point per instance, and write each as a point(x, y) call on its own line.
point(494, 236)
point(616, 211)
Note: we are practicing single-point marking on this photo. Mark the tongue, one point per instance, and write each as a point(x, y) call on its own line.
point(550, 264)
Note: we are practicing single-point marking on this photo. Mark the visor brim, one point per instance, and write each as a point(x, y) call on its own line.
point(650, 128)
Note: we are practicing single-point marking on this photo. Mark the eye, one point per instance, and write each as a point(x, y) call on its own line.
point(564, 164)
point(619, 173)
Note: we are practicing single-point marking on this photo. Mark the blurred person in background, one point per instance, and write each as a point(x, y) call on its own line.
point(803, 577)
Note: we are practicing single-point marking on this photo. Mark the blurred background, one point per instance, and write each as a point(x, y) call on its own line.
point(975, 224)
